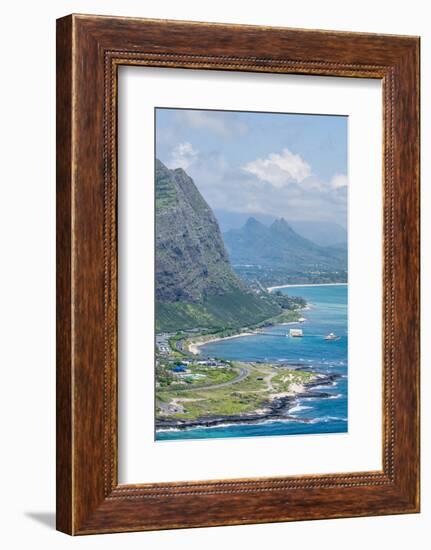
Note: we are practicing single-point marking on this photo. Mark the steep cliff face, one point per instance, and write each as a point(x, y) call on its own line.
point(191, 261)
point(195, 284)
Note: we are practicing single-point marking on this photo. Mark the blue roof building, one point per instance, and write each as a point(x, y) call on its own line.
point(179, 368)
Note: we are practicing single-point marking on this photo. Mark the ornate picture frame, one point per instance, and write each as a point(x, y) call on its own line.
point(89, 51)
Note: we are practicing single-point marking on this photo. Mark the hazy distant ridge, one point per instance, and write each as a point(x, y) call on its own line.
point(323, 233)
point(280, 246)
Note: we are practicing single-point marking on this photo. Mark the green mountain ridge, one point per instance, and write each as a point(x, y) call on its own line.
point(195, 283)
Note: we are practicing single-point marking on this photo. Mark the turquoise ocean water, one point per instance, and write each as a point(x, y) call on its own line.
point(327, 313)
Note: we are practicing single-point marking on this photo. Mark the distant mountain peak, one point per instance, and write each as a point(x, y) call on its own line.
point(279, 245)
point(280, 221)
point(321, 232)
point(252, 222)
point(280, 224)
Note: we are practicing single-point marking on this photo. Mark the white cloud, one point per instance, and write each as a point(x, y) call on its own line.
point(215, 122)
point(182, 156)
point(280, 169)
point(339, 181)
point(280, 185)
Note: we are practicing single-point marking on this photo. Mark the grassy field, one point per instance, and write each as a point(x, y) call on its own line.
point(260, 384)
point(208, 376)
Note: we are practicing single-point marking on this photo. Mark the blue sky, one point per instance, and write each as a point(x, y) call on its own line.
point(284, 165)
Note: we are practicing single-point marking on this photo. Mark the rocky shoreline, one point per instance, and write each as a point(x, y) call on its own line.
point(277, 409)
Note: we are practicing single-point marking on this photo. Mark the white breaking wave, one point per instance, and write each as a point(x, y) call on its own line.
point(326, 419)
point(298, 408)
point(325, 386)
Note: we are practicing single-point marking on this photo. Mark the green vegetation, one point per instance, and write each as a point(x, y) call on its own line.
point(165, 192)
point(213, 376)
point(248, 389)
point(164, 376)
point(286, 316)
point(273, 276)
point(195, 376)
point(173, 345)
point(288, 302)
point(229, 310)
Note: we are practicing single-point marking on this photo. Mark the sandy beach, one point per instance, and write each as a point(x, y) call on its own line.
point(193, 347)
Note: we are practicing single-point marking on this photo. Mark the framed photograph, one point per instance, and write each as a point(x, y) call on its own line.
point(237, 274)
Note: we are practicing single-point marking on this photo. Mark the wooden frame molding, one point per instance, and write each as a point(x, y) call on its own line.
point(89, 51)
